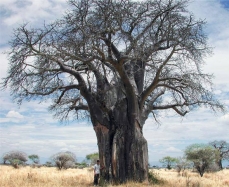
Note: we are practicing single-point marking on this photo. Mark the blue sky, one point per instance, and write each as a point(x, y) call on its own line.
point(30, 127)
point(225, 3)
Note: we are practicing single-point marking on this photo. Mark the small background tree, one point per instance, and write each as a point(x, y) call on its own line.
point(15, 158)
point(181, 164)
point(64, 160)
point(168, 161)
point(82, 164)
point(34, 158)
point(223, 148)
point(48, 164)
point(203, 157)
point(91, 158)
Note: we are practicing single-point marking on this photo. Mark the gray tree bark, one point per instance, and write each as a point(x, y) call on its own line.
point(122, 148)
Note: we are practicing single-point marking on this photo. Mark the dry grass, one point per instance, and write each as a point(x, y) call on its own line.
point(51, 177)
point(192, 179)
point(44, 177)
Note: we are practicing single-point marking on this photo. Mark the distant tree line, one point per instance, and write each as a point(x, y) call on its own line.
point(201, 157)
point(61, 160)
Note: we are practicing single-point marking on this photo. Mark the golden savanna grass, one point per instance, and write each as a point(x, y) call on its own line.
point(51, 177)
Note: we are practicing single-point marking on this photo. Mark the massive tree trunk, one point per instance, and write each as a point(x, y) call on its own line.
point(122, 148)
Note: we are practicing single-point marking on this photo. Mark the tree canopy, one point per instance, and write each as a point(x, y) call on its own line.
point(15, 158)
point(64, 160)
point(101, 48)
point(35, 158)
point(93, 157)
point(168, 161)
point(203, 156)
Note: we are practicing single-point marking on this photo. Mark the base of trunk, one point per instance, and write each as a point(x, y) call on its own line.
point(124, 155)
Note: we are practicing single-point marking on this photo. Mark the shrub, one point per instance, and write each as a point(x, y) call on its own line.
point(154, 178)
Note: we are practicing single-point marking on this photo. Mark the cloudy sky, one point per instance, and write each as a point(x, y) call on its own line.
point(30, 127)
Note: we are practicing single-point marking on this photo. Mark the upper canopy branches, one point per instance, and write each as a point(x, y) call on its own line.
point(107, 50)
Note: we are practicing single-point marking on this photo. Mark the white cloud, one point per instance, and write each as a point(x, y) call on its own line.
point(48, 139)
point(225, 119)
point(32, 11)
point(174, 150)
point(218, 33)
point(217, 92)
point(14, 114)
point(175, 133)
point(65, 149)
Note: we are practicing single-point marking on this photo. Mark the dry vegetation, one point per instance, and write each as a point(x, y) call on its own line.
point(51, 177)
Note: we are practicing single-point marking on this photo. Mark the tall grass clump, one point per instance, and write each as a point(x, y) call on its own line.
point(154, 178)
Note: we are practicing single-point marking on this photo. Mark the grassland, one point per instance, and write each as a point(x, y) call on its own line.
point(51, 177)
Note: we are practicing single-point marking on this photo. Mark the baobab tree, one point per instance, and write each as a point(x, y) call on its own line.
point(115, 62)
point(223, 148)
